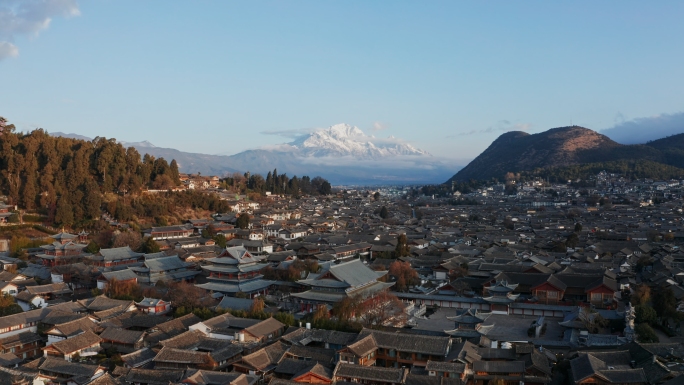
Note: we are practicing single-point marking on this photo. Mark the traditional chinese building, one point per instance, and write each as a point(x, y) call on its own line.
point(62, 251)
point(336, 282)
point(500, 296)
point(468, 324)
point(236, 270)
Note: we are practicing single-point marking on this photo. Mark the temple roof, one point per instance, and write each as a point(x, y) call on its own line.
point(501, 287)
point(63, 236)
point(502, 299)
point(473, 333)
point(470, 316)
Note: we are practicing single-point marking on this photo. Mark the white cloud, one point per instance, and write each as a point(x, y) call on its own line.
point(379, 126)
point(8, 50)
point(28, 18)
point(291, 134)
point(641, 130)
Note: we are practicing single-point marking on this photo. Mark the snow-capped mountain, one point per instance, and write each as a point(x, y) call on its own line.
point(346, 140)
point(342, 153)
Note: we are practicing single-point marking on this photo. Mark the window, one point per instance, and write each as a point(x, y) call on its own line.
point(553, 294)
point(392, 353)
point(595, 296)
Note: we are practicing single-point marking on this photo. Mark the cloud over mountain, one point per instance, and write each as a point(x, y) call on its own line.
point(642, 130)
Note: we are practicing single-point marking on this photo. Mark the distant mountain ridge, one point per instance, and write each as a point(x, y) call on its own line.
point(342, 153)
point(564, 147)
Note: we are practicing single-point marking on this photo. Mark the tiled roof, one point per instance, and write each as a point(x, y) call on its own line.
point(437, 346)
point(74, 328)
point(73, 344)
point(157, 376)
point(118, 253)
point(181, 356)
point(265, 327)
point(19, 339)
point(120, 275)
point(363, 346)
point(439, 366)
point(499, 366)
point(61, 366)
point(138, 357)
point(369, 373)
point(122, 336)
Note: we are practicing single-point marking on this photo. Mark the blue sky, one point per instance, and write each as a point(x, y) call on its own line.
point(449, 77)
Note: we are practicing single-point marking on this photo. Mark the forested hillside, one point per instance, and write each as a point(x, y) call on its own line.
point(65, 179)
point(70, 182)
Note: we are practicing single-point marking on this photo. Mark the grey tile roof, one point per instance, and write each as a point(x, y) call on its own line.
point(364, 346)
point(165, 264)
point(59, 317)
point(157, 376)
point(416, 379)
point(61, 366)
point(76, 343)
point(105, 379)
point(119, 253)
point(265, 327)
point(23, 318)
point(52, 288)
point(439, 366)
point(499, 366)
point(369, 373)
point(122, 336)
point(120, 275)
point(235, 303)
point(102, 302)
point(267, 357)
point(437, 346)
point(19, 339)
point(138, 357)
point(355, 273)
point(303, 336)
point(181, 356)
point(208, 377)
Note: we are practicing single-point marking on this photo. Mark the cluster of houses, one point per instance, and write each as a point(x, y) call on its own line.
point(198, 181)
point(61, 344)
point(556, 252)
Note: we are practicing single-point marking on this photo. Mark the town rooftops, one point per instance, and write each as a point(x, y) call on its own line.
point(118, 253)
point(616, 369)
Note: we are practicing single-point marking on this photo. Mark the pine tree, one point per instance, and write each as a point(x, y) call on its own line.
point(65, 213)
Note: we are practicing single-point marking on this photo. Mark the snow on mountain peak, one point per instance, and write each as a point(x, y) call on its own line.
point(346, 140)
point(344, 130)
